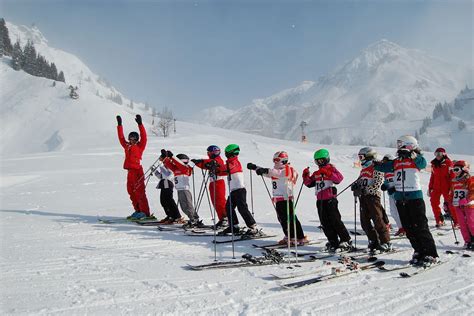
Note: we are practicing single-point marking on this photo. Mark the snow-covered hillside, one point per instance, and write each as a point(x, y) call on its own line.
point(456, 131)
point(76, 72)
point(385, 91)
point(57, 259)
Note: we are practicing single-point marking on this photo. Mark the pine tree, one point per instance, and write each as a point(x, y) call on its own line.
point(54, 72)
point(30, 59)
point(6, 47)
point(61, 76)
point(17, 56)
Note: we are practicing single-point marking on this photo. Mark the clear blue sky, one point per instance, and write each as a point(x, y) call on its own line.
point(190, 55)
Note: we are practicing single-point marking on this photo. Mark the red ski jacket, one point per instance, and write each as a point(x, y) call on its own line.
point(133, 153)
point(441, 175)
point(221, 167)
point(177, 167)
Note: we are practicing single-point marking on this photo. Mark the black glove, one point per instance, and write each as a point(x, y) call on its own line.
point(391, 190)
point(251, 166)
point(138, 119)
point(212, 165)
point(355, 186)
point(169, 154)
point(163, 154)
point(119, 120)
point(404, 153)
point(196, 161)
point(261, 171)
point(384, 187)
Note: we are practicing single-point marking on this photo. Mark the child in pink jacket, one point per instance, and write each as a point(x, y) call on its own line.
point(324, 181)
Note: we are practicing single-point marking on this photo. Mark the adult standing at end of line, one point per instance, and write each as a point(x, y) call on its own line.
point(134, 148)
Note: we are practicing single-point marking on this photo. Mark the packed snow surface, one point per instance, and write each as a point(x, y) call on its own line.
point(56, 258)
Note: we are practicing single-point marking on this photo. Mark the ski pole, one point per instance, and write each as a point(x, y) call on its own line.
point(251, 192)
point(152, 167)
point(454, 231)
point(268, 191)
point(347, 187)
point(194, 190)
point(201, 193)
point(205, 191)
point(299, 193)
point(294, 227)
point(215, 215)
point(230, 211)
point(355, 222)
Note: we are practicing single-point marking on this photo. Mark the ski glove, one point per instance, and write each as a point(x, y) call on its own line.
point(169, 154)
point(251, 166)
point(212, 165)
point(163, 154)
point(306, 173)
point(138, 119)
point(196, 161)
point(261, 171)
point(119, 120)
point(384, 187)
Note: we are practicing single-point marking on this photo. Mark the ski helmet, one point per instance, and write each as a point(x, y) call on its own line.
point(461, 165)
point(321, 157)
point(232, 150)
point(184, 158)
point(388, 157)
point(440, 152)
point(280, 157)
point(366, 155)
point(213, 151)
point(133, 135)
point(407, 142)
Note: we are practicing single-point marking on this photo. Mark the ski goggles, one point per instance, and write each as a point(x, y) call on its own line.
point(133, 139)
point(361, 157)
point(320, 161)
point(280, 160)
point(439, 153)
point(457, 169)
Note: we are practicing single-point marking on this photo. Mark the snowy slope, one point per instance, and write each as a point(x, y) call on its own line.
point(383, 92)
point(36, 116)
point(75, 71)
point(446, 133)
point(57, 259)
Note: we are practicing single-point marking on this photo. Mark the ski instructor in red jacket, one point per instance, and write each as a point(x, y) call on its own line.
point(134, 149)
point(440, 183)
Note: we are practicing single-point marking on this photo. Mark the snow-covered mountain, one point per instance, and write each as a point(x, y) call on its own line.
point(385, 91)
point(76, 72)
point(455, 129)
point(37, 115)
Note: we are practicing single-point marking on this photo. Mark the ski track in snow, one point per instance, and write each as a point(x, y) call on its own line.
point(56, 258)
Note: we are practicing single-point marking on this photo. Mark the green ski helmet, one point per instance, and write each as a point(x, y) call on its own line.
point(232, 150)
point(321, 157)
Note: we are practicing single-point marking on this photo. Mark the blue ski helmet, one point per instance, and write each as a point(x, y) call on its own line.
point(213, 151)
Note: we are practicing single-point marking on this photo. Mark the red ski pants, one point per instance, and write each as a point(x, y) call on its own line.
point(136, 190)
point(435, 199)
point(217, 192)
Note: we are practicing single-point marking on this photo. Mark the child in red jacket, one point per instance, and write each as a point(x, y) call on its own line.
point(217, 173)
point(237, 195)
point(182, 171)
point(134, 149)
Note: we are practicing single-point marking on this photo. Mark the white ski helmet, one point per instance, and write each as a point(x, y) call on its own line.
point(367, 153)
point(407, 142)
point(280, 157)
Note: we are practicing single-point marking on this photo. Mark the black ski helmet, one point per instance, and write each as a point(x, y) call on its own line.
point(184, 158)
point(133, 135)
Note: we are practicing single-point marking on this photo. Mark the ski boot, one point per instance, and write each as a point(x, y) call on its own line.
point(223, 223)
point(345, 245)
point(228, 231)
point(416, 259)
point(428, 261)
point(253, 231)
point(385, 247)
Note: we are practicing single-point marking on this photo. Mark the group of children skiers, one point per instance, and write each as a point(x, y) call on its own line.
point(398, 176)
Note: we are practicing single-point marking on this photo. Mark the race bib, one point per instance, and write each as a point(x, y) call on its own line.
point(458, 195)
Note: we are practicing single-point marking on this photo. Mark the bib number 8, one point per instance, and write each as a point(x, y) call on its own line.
point(274, 185)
